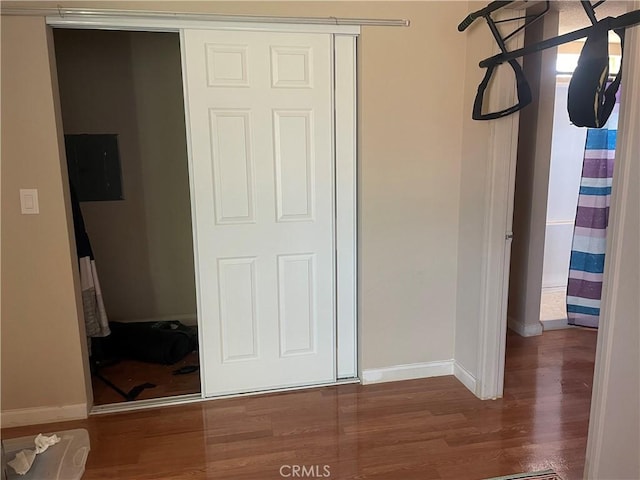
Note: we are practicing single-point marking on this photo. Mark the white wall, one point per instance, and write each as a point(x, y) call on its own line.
point(567, 153)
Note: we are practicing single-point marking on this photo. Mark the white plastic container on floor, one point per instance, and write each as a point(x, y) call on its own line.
point(63, 461)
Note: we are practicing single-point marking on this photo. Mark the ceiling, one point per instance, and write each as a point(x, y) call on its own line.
point(573, 16)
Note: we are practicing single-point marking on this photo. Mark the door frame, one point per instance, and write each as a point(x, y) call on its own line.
point(627, 151)
point(503, 147)
point(345, 168)
point(497, 238)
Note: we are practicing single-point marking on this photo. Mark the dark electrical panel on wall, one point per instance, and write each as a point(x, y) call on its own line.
point(93, 161)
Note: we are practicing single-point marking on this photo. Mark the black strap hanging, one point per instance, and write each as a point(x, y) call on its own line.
point(522, 86)
point(589, 101)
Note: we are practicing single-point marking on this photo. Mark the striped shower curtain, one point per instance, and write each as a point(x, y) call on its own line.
point(586, 266)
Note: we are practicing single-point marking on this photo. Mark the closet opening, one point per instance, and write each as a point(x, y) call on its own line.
point(123, 117)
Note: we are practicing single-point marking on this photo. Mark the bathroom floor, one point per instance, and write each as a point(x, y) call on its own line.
point(553, 308)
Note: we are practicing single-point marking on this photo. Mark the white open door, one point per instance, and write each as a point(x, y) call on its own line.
point(259, 114)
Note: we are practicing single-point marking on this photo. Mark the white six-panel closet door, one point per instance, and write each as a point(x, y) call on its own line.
point(259, 108)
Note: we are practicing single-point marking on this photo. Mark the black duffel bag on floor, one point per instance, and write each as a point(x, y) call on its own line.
point(165, 342)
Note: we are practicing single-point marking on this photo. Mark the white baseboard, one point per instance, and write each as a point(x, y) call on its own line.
point(34, 416)
point(190, 319)
point(557, 324)
point(465, 377)
point(407, 372)
point(554, 289)
point(524, 330)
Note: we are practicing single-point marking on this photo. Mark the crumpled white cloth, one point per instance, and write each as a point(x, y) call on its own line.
point(23, 461)
point(42, 442)
point(25, 458)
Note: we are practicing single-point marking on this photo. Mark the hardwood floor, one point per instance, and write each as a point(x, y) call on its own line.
point(127, 374)
point(418, 429)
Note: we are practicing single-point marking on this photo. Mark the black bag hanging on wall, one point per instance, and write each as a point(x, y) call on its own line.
point(589, 101)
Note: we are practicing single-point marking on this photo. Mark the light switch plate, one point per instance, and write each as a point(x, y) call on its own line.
point(29, 201)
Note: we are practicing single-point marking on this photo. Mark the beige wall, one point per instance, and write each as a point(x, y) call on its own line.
point(474, 138)
point(532, 182)
point(157, 79)
point(42, 343)
point(418, 146)
point(409, 172)
point(129, 83)
point(410, 124)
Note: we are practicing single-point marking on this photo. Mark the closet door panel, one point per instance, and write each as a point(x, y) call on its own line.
point(261, 132)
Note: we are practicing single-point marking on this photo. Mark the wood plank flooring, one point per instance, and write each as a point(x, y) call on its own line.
point(418, 429)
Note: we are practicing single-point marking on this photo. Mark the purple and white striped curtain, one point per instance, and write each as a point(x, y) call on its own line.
point(586, 266)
